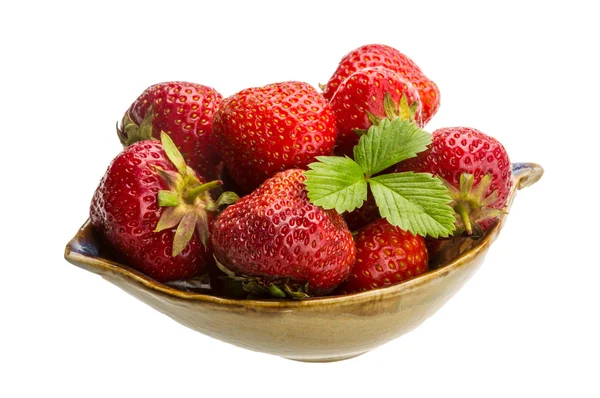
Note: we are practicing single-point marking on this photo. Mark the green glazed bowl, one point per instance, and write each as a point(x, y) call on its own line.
point(315, 329)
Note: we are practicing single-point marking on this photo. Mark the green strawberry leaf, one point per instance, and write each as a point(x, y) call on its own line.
point(417, 202)
point(170, 218)
point(130, 132)
point(390, 107)
point(227, 198)
point(336, 182)
point(388, 143)
point(173, 153)
point(405, 111)
point(184, 232)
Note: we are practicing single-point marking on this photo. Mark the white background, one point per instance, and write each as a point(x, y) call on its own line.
point(525, 72)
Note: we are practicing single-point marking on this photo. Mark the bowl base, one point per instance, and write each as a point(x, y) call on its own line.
point(328, 359)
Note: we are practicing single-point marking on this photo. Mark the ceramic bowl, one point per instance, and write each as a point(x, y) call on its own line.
point(316, 329)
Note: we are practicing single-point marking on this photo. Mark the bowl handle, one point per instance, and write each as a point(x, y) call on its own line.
point(527, 174)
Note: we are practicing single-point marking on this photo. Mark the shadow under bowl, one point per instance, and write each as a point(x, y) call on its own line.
point(319, 329)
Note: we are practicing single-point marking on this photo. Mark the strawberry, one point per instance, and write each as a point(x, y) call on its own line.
point(278, 241)
point(261, 131)
point(477, 170)
point(385, 255)
point(379, 55)
point(153, 211)
point(184, 111)
point(367, 96)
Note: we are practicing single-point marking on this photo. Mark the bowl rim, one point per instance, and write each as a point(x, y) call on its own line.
point(524, 174)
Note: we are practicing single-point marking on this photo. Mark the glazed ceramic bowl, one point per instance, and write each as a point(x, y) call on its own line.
point(316, 329)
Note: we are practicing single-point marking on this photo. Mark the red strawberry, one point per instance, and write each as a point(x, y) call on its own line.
point(385, 255)
point(379, 55)
point(368, 95)
point(184, 111)
point(278, 236)
point(477, 169)
point(127, 211)
point(261, 131)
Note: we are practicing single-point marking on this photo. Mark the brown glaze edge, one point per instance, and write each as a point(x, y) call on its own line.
point(524, 177)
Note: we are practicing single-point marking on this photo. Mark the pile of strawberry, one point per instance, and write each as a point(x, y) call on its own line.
point(285, 191)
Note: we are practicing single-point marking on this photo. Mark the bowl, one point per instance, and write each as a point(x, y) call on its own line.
point(316, 329)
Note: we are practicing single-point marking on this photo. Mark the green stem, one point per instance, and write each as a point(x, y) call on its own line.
point(168, 198)
point(192, 194)
point(463, 212)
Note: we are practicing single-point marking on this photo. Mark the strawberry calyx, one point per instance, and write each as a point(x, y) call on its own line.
point(131, 132)
point(471, 204)
point(392, 110)
point(187, 200)
point(261, 287)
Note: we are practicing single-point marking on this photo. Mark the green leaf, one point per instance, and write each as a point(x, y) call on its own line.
point(202, 226)
point(336, 183)
point(227, 198)
point(417, 202)
point(405, 113)
point(389, 106)
point(170, 218)
point(173, 153)
point(145, 130)
point(388, 143)
point(276, 291)
point(413, 110)
point(373, 119)
point(254, 287)
point(227, 271)
point(184, 232)
point(298, 292)
point(131, 132)
point(172, 178)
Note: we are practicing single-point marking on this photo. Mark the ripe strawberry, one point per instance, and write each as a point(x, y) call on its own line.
point(184, 111)
point(367, 96)
point(379, 55)
point(477, 169)
point(261, 131)
point(385, 255)
point(127, 211)
point(276, 238)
